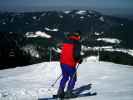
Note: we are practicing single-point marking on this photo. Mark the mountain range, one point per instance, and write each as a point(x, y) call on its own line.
point(33, 36)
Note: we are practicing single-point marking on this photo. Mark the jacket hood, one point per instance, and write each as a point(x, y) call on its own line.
point(74, 38)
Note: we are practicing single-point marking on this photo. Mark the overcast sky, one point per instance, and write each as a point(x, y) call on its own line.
point(35, 4)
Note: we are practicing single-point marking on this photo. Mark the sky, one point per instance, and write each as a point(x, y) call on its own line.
point(34, 5)
point(12, 4)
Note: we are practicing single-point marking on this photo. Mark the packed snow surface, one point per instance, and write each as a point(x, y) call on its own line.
point(110, 81)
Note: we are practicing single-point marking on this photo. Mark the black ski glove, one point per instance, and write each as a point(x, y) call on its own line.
point(80, 61)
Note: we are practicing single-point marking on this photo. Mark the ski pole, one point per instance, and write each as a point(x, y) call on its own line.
point(61, 75)
point(52, 85)
point(56, 80)
point(75, 71)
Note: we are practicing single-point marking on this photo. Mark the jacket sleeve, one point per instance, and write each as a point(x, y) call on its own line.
point(77, 51)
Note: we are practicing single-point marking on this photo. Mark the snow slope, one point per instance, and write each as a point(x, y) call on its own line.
point(111, 81)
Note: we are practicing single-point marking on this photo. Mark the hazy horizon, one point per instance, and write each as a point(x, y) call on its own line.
point(109, 7)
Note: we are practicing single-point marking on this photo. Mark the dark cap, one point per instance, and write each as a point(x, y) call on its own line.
point(78, 32)
point(75, 33)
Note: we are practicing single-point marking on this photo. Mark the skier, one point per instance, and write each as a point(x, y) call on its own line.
point(70, 56)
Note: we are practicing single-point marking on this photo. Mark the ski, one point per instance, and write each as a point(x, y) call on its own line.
point(77, 95)
point(55, 97)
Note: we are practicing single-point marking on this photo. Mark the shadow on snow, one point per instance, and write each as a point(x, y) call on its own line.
point(79, 92)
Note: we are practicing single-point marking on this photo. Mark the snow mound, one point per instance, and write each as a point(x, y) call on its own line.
point(92, 59)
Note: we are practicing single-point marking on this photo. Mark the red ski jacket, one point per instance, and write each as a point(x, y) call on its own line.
point(70, 53)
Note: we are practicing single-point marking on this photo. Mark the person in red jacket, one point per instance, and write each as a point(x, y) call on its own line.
point(70, 56)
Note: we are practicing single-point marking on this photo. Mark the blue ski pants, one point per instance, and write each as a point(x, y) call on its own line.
point(69, 74)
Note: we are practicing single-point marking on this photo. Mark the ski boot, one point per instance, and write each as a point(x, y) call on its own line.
point(70, 94)
point(60, 93)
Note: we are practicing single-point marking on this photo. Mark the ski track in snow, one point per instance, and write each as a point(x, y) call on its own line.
point(111, 81)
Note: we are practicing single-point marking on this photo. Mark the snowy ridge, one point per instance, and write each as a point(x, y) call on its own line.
point(108, 48)
point(54, 30)
point(32, 82)
point(81, 12)
point(67, 12)
point(37, 34)
point(128, 51)
point(109, 40)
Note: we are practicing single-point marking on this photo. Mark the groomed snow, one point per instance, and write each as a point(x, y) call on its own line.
point(111, 81)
